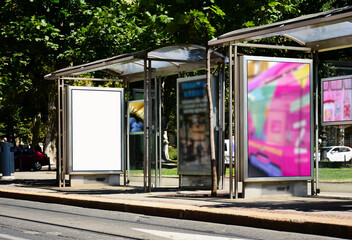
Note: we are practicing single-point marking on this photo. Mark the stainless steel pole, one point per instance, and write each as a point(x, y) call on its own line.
point(230, 122)
point(237, 121)
point(145, 126)
point(223, 115)
point(160, 135)
point(149, 125)
point(156, 128)
point(316, 77)
point(127, 132)
point(219, 127)
point(59, 109)
point(63, 130)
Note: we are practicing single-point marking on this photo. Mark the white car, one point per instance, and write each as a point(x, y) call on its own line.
point(338, 153)
point(227, 152)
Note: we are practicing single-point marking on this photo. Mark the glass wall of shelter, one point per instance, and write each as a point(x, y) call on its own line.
point(145, 70)
point(314, 33)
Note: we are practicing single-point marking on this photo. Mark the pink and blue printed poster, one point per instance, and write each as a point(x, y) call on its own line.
point(193, 126)
point(337, 99)
point(279, 117)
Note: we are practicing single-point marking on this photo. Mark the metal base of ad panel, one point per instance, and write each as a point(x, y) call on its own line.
point(195, 182)
point(7, 177)
point(278, 189)
point(80, 180)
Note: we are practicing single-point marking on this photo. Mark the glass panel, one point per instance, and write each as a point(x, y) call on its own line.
point(187, 53)
point(130, 67)
point(136, 115)
point(325, 32)
point(136, 153)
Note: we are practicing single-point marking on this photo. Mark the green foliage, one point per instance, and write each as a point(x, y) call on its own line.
point(173, 153)
point(335, 174)
point(164, 172)
point(169, 103)
point(40, 36)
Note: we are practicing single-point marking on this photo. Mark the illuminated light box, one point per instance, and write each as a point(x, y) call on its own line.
point(95, 129)
point(193, 126)
point(337, 100)
point(136, 117)
point(277, 136)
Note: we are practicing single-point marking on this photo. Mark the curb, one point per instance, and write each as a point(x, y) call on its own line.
point(306, 227)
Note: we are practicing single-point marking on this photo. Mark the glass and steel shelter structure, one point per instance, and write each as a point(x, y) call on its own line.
point(313, 33)
point(147, 66)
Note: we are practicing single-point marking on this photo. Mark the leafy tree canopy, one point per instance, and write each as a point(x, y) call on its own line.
point(40, 36)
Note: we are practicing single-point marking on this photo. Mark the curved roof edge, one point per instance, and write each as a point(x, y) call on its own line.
point(168, 58)
point(287, 28)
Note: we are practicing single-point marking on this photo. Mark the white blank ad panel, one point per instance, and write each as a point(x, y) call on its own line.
point(96, 130)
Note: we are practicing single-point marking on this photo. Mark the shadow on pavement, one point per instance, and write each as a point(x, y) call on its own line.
point(200, 198)
point(30, 182)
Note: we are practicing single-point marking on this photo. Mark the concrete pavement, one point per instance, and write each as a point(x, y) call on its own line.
point(328, 214)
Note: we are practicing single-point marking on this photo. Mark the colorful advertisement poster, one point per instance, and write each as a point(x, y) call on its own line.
point(337, 99)
point(279, 117)
point(136, 111)
point(193, 127)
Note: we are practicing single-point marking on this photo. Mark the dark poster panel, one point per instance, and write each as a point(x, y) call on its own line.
point(136, 134)
point(278, 117)
point(193, 127)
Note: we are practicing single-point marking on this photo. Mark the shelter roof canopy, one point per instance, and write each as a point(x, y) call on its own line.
point(320, 31)
point(166, 60)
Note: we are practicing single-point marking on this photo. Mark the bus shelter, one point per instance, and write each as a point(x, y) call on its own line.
point(149, 67)
point(314, 33)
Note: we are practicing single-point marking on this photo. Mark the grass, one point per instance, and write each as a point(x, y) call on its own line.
point(329, 174)
point(325, 174)
point(335, 174)
point(164, 172)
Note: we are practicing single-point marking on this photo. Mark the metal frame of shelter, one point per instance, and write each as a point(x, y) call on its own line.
point(144, 65)
point(314, 33)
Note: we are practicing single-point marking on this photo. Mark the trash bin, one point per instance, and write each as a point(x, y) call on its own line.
point(6, 159)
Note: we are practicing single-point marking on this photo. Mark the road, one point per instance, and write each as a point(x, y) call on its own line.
point(24, 220)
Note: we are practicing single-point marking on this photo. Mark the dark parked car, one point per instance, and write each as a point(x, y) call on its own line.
point(28, 158)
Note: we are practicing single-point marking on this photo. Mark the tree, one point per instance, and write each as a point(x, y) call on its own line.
point(38, 37)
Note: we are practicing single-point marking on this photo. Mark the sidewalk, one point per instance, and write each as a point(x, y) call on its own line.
point(328, 214)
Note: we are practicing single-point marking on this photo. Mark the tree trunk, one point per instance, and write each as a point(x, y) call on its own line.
point(36, 130)
point(211, 130)
point(51, 131)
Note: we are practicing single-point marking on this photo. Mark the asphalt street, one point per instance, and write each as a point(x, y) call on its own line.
point(20, 220)
point(328, 214)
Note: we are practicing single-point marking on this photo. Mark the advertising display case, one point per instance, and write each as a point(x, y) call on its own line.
point(193, 126)
point(95, 130)
point(336, 100)
point(278, 118)
point(136, 117)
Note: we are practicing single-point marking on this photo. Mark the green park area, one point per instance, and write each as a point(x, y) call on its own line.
point(325, 174)
point(336, 174)
point(343, 174)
